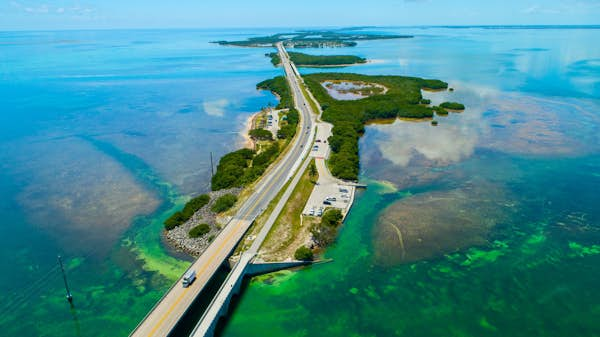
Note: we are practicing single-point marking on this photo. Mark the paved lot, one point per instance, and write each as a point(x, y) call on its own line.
point(339, 194)
point(320, 148)
point(273, 120)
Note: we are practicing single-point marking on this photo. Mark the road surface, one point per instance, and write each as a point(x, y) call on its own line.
point(167, 312)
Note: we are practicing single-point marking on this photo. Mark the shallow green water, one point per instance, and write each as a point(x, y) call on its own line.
point(511, 183)
point(107, 132)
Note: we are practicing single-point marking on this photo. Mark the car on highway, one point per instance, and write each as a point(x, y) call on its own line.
point(188, 278)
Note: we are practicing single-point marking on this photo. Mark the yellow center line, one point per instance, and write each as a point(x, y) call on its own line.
point(212, 257)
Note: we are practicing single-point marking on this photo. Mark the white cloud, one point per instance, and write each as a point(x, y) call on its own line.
point(444, 145)
point(34, 8)
point(215, 108)
point(537, 9)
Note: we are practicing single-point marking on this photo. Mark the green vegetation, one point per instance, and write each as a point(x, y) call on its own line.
point(303, 254)
point(260, 134)
point(244, 166)
point(452, 106)
point(324, 232)
point(301, 59)
point(224, 203)
point(275, 59)
point(311, 39)
point(189, 209)
point(288, 123)
point(280, 87)
point(290, 229)
point(231, 169)
point(312, 171)
point(266, 157)
point(288, 126)
point(199, 230)
point(402, 99)
point(434, 123)
point(440, 111)
point(425, 101)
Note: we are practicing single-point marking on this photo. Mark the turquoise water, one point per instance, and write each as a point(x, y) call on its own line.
point(497, 207)
point(103, 133)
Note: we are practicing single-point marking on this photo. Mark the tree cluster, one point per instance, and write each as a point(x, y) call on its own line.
point(288, 126)
point(231, 169)
point(260, 134)
point(452, 106)
point(224, 203)
point(403, 99)
point(279, 86)
point(303, 253)
point(301, 59)
point(324, 232)
point(186, 213)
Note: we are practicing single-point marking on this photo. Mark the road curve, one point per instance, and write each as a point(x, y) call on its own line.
point(161, 320)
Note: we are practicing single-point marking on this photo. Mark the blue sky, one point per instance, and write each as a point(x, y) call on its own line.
point(90, 14)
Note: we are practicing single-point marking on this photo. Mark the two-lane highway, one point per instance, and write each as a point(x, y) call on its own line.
point(167, 312)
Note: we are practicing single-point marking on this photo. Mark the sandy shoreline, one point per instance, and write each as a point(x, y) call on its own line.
point(248, 143)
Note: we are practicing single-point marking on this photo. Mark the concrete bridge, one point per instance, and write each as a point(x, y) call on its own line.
point(169, 310)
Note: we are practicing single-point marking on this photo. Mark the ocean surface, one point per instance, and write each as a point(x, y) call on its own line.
point(486, 225)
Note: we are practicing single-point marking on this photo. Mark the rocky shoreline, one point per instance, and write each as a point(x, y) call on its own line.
point(178, 237)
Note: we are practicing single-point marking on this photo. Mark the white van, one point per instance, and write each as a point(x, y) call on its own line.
point(188, 278)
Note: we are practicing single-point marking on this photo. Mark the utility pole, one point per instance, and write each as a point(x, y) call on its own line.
point(69, 296)
point(212, 173)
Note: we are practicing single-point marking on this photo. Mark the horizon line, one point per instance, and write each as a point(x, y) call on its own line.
point(361, 27)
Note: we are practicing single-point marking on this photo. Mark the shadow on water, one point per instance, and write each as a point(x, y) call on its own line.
point(235, 300)
point(189, 320)
point(140, 169)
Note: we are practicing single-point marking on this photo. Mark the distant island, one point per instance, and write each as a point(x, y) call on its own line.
point(311, 39)
point(305, 60)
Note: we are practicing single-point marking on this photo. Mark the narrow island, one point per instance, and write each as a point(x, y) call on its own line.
point(306, 60)
point(346, 103)
point(311, 39)
point(193, 228)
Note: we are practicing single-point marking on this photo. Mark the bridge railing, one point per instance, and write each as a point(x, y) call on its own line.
point(168, 291)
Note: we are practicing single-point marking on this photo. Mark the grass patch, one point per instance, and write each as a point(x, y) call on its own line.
point(288, 224)
point(224, 203)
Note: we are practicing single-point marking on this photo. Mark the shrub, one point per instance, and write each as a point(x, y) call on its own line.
point(324, 232)
point(332, 218)
point(231, 168)
point(303, 254)
point(264, 158)
point(261, 134)
point(189, 209)
point(425, 101)
point(440, 111)
point(452, 106)
point(199, 230)
point(224, 203)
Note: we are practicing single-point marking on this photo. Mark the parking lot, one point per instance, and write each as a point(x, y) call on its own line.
point(329, 192)
point(272, 123)
point(321, 147)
